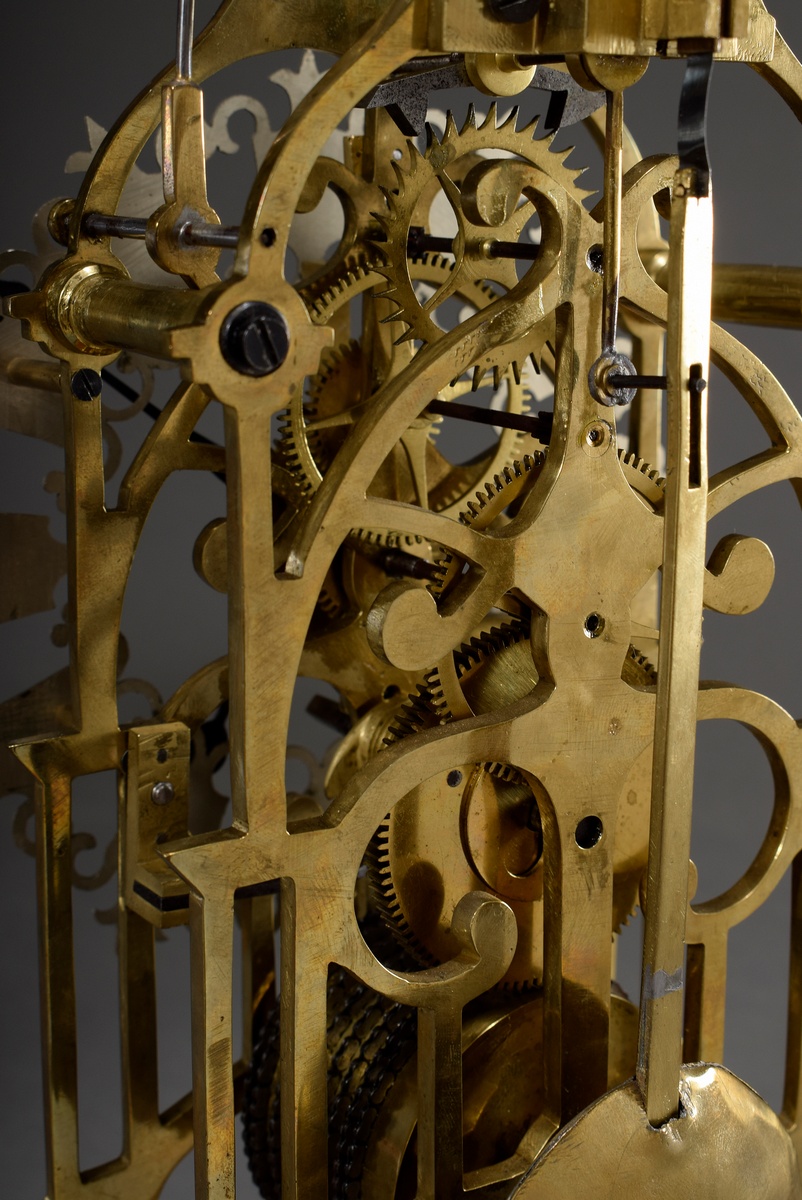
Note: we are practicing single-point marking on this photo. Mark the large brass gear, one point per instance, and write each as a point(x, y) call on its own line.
point(459, 163)
point(312, 431)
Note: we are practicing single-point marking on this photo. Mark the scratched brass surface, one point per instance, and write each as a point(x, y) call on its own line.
point(517, 714)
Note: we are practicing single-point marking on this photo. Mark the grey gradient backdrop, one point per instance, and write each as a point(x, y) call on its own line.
point(61, 62)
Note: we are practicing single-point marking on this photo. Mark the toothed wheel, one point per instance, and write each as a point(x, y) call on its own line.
point(479, 171)
point(312, 430)
point(372, 1101)
point(362, 1027)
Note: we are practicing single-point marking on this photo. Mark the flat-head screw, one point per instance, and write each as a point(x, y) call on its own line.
point(86, 384)
point(254, 339)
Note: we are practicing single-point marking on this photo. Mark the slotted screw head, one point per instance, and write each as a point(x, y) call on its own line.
point(254, 339)
point(86, 384)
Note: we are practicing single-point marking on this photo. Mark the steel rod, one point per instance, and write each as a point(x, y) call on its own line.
point(657, 383)
point(613, 159)
point(100, 225)
point(538, 426)
point(421, 242)
point(225, 237)
point(185, 38)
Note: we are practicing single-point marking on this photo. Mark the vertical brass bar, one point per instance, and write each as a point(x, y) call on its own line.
point(92, 535)
point(439, 1103)
point(57, 976)
point(705, 1002)
point(613, 160)
point(138, 1028)
point(211, 920)
point(252, 597)
point(304, 1058)
point(688, 350)
point(577, 916)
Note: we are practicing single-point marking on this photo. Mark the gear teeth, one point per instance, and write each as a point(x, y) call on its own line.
point(389, 538)
point(400, 174)
point(491, 120)
point(407, 336)
point(479, 373)
point(383, 218)
point(413, 717)
point(416, 160)
point(487, 642)
point(451, 130)
point(322, 296)
point(529, 131)
point(510, 121)
point(469, 124)
point(644, 667)
point(504, 772)
point(632, 461)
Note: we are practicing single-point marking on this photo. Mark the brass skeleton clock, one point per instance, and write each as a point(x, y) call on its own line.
point(506, 642)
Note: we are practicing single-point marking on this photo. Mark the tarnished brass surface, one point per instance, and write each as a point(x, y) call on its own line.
point(516, 714)
point(753, 1153)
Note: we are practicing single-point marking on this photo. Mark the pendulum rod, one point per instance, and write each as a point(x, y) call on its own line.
point(613, 160)
point(685, 529)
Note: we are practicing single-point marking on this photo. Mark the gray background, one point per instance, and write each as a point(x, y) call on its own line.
point(61, 62)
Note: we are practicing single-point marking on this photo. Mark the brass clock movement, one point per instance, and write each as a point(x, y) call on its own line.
point(420, 937)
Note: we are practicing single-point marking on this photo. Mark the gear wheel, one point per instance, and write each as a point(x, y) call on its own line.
point(312, 431)
point(510, 485)
point(372, 1087)
point(363, 1029)
point(458, 167)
